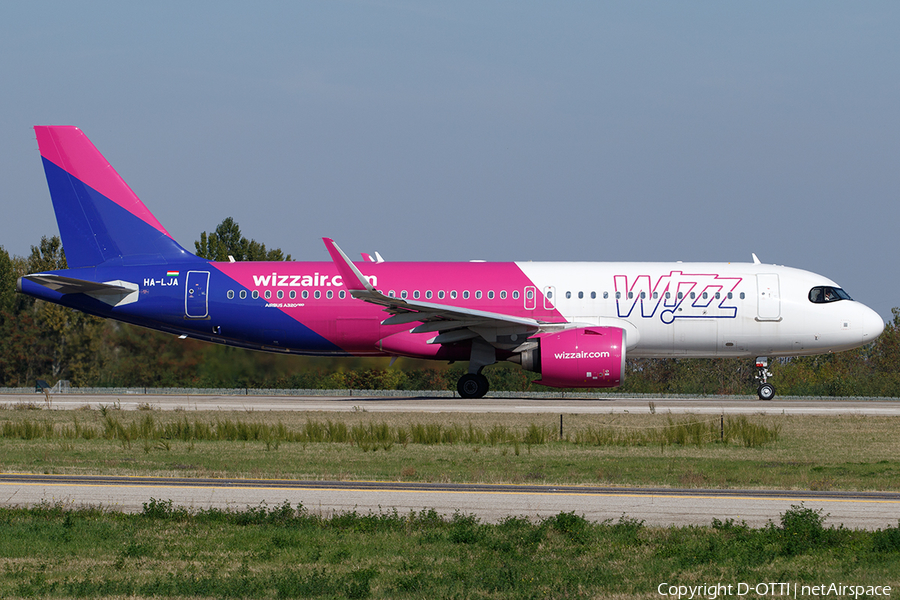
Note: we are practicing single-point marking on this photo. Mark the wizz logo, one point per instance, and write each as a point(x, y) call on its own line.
point(677, 296)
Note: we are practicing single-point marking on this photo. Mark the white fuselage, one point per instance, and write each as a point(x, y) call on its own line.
point(706, 309)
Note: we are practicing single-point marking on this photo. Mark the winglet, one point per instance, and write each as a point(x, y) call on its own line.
point(353, 279)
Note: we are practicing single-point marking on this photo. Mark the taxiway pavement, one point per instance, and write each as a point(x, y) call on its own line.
point(490, 503)
point(488, 404)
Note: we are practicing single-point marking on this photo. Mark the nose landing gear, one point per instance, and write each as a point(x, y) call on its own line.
point(765, 391)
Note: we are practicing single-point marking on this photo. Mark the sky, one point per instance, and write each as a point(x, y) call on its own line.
point(595, 131)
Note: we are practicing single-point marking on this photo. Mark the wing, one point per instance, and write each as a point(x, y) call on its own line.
point(453, 323)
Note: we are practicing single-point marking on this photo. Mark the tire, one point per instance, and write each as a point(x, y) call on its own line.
point(472, 385)
point(766, 391)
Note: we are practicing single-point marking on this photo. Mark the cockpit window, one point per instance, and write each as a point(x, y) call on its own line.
point(823, 294)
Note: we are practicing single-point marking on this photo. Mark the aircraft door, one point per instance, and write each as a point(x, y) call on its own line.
point(768, 297)
point(196, 299)
point(549, 297)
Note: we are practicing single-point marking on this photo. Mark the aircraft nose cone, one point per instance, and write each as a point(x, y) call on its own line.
point(873, 325)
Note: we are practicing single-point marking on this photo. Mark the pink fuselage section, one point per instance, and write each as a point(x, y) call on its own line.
point(321, 302)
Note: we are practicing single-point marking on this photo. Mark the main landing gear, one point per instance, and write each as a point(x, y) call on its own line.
point(473, 384)
point(765, 391)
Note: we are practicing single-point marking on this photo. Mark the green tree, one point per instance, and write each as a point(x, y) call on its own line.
point(48, 256)
point(40, 339)
point(227, 241)
point(8, 276)
point(885, 357)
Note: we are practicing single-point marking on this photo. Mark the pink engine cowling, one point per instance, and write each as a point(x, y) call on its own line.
point(590, 357)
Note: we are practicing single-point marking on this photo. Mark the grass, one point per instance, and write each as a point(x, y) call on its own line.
point(776, 452)
point(681, 432)
point(55, 550)
point(286, 552)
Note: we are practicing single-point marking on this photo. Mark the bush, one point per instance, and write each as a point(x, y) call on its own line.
point(886, 540)
point(573, 526)
point(802, 529)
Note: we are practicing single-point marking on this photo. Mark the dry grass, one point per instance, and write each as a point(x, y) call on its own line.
point(811, 452)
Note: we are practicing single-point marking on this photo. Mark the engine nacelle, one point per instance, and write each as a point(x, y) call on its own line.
point(590, 357)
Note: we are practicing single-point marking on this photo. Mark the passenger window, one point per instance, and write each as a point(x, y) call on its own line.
point(668, 295)
point(230, 294)
point(441, 294)
point(255, 294)
point(465, 294)
point(428, 294)
point(705, 295)
point(318, 294)
point(341, 295)
point(243, 294)
point(568, 295)
point(693, 295)
point(742, 295)
point(403, 294)
point(490, 294)
point(529, 294)
point(655, 295)
point(453, 295)
point(618, 295)
point(329, 294)
point(643, 295)
point(280, 294)
point(268, 294)
point(293, 294)
point(605, 295)
point(630, 295)
point(730, 295)
point(391, 294)
point(503, 294)
point(478, 294)
point(515, 294)
point(593, 295)
point(305, 294)
point(416, 294)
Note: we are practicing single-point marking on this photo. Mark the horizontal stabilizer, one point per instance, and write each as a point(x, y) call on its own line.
point(114, 293)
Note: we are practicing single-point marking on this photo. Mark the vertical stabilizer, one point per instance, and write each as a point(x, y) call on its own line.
point(100, 219)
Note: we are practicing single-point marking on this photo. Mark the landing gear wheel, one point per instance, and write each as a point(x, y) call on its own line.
point(766, 391)
point(472, 385)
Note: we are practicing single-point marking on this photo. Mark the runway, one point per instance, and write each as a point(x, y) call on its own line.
point(490, 404)
point(490, 503)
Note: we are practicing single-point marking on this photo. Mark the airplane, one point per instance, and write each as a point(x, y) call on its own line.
point(573, 323)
